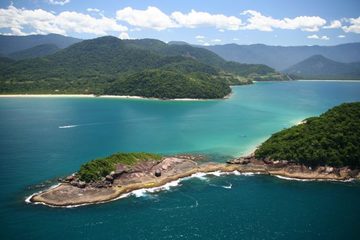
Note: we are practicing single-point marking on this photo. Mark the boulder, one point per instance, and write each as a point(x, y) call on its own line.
point(157, 173)
point(109, 178)
point(81, 184)
point(70, 178)
point(242, 161)
point(329, 169)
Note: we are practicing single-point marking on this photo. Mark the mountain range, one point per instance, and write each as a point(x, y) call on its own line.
point(13, 44)
point(320, 67)
point(281, 58)
point(151, 68)
point(145, 67)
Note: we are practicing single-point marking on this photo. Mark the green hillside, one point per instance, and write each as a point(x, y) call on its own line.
point(108, 65)
point(333, 139)
point(34, 52)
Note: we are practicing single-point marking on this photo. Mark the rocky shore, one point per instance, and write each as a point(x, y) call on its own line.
point(72, 192)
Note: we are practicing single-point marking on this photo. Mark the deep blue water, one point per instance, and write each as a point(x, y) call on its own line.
point(34, 149)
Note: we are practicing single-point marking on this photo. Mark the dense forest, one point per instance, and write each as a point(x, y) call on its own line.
point(332, 139)
point(98, 168)
point(147, 67)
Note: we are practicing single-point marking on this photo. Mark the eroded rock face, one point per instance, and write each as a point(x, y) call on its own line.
point(156, 173)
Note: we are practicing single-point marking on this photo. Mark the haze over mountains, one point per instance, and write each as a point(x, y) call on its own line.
point(319, 67)
point(281, 58)
point(308, 62)
point(12, 44)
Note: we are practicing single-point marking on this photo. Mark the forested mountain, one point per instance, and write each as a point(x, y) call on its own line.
point(333, 139)
point(280, 57)
point(12, 44)
point(37, 51)
point(319, 67)
point(147, 67)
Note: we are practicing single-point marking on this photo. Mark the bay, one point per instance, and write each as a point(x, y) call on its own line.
point(42, 139)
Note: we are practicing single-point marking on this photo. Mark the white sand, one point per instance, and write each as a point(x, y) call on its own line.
point(91, 96)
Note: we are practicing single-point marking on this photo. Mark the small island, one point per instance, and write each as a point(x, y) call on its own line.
point(320, 148)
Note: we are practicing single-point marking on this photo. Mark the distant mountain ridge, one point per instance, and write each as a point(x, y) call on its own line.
point(320, 67)
point(281, 58)
point(12, 44)
point(33, 52)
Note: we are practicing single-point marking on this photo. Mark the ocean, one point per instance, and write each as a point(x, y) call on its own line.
point(42, 139)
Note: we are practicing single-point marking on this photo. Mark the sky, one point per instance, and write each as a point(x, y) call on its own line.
point(203, 22)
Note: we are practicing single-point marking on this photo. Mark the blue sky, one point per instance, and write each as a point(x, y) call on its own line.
point(273, 22)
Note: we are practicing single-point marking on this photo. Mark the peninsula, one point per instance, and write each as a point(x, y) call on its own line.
point(321, 148)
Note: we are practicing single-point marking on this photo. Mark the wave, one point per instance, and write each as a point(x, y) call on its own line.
point(28, 199)
point(143, 191)
point(166, 187)
point(312, 179)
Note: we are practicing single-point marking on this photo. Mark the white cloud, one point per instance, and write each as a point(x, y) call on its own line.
point(334, 24)
point(43, 22)
point(341, 36)
point(257, 21)
point(195, 19)
point(354, 25)
point(314, 36)
point(236, 39)
point(206, 44)
point(152, 18)
point(199, 37)
point(59, 2)
point(216, 40)
point(93, 10)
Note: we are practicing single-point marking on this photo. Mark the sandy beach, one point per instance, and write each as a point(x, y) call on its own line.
point(101, 96)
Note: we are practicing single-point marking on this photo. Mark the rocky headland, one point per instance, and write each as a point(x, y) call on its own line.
point(154, 173)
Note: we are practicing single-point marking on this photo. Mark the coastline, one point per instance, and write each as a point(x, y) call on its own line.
point(86, 196)
point(319, 80)
point(105, 97)
point(67, 195)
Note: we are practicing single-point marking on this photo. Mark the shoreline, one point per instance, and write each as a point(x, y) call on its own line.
point(217, 169)
point(318, 80)
point(107, 97)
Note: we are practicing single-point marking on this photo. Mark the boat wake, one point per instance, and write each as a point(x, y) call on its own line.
point(227, 187)
point(83, 125)
point(68, 126)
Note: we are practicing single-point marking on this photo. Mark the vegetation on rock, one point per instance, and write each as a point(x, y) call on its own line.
point(98, 168)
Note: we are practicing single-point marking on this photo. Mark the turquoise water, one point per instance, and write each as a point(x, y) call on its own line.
point(34, 149)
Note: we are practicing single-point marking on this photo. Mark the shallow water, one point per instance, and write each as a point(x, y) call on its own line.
point(43, 139)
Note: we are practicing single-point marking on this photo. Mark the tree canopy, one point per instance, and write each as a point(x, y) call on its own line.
point(147, 67)
point(333, 139)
